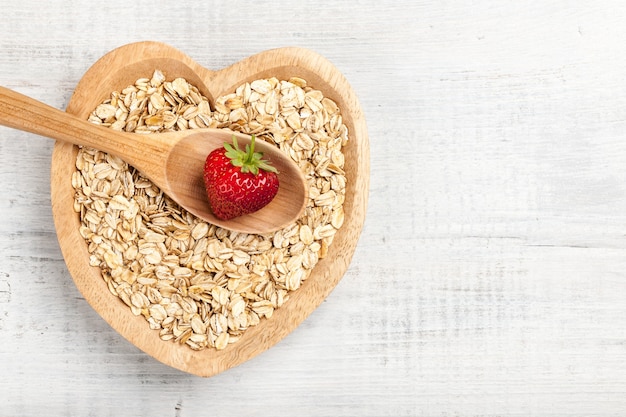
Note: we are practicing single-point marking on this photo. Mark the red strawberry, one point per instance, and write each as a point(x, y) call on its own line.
point(238, 182)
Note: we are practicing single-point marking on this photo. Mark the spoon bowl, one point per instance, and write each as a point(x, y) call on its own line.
point(173, 161)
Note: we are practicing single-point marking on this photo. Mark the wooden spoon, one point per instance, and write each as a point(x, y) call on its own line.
point(173, 161)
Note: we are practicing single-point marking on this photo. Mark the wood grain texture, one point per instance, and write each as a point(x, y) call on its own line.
point(490, 277)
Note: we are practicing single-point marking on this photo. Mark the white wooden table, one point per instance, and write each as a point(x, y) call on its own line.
point(490, 278)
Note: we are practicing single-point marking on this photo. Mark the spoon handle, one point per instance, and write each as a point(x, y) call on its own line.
point(20, 112)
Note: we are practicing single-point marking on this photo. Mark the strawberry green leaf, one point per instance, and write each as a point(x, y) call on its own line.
point(248, 160)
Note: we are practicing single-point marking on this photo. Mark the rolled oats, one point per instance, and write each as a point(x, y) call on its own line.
point(196, 283)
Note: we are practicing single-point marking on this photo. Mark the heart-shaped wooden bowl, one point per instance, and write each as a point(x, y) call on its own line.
point(122, 67)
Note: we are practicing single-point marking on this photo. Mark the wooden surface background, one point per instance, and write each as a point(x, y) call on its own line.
point(490, 278)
